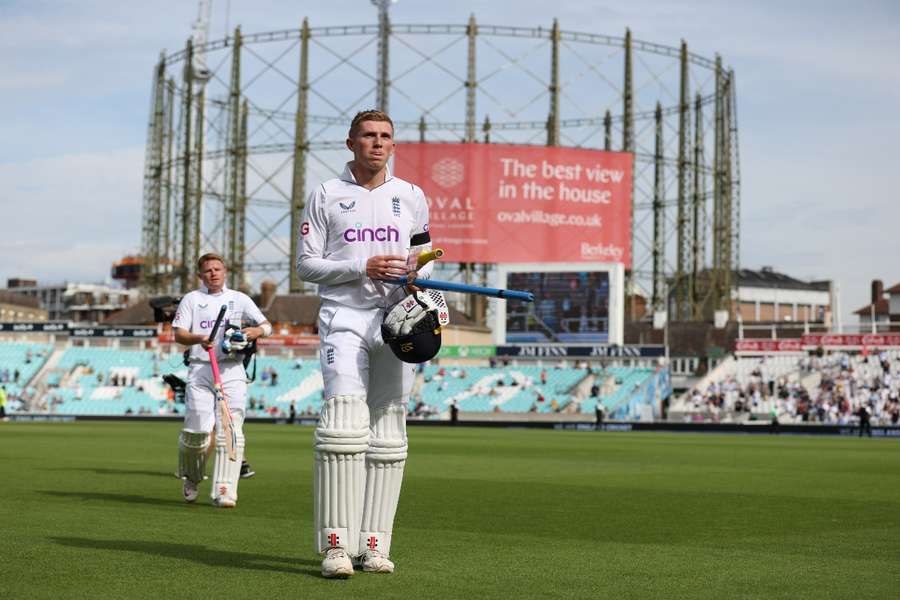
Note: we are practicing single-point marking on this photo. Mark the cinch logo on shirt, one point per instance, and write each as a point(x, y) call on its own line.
point(368, 234)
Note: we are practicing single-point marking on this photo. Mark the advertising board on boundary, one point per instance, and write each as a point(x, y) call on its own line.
point(467, 351)
point(761, 346)
point(852, 340)
point(845, 341)
point(595, 351)
point(78, 332)
point(496, 203)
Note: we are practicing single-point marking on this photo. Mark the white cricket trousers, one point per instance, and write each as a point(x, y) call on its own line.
point(200, 400)
point(356, 361)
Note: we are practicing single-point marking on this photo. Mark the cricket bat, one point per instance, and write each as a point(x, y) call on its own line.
point(225, 420)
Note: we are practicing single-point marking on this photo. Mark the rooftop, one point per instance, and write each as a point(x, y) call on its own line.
point(769, 278)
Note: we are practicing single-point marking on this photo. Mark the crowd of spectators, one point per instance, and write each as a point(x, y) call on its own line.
point(844, 389)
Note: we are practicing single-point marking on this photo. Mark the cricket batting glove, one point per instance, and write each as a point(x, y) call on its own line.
point(235, 341)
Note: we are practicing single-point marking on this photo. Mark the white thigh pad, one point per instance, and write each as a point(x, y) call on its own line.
point(385, 461)
point(340, 441)
point(192, 447)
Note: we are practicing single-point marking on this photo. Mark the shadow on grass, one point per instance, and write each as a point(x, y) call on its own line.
point(107, 471)
point(109, 497)
point(212, 557)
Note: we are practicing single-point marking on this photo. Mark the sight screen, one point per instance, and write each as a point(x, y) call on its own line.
point(568, 307)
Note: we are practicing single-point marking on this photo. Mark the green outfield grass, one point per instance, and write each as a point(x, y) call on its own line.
point(92, 510)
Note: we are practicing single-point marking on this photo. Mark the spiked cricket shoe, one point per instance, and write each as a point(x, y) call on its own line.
point(190, 490)
point(337, 564)
point(222, 502)
point(373, 561)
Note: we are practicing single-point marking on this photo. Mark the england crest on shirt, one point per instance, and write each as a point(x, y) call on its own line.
point(395, 205)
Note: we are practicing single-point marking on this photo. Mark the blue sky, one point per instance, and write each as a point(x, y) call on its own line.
point(818, 98)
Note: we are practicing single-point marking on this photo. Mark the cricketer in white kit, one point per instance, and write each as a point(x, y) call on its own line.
point(357, 229)
point(194, 319)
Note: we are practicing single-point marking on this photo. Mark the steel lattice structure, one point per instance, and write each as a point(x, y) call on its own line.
point(233, 149)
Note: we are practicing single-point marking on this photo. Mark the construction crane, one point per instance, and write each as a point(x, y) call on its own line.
point(200, 27)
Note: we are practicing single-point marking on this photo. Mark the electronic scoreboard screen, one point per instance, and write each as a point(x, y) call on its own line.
point(569, 306)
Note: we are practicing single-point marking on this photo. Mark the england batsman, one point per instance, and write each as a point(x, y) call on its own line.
point(358, 230)
point(193, 323)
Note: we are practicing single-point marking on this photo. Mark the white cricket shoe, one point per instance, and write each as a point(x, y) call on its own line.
point(337, 564)
point(223, 502)
point(190, 490)
point(373, 561)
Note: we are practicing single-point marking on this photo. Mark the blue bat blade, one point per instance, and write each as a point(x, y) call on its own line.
point(449, 286)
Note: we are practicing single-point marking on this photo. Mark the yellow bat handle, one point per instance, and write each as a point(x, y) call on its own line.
point(426, 257)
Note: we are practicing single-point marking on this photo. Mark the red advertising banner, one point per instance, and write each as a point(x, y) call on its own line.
point(868, 340)
point(765, 346)
point(511, 203)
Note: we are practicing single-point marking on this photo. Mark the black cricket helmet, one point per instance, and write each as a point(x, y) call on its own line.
point(412, 327)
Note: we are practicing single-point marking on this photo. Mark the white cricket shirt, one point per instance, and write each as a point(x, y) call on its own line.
point(198, 310)
point(344, 224)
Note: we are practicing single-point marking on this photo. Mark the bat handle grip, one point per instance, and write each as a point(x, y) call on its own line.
point(426, 257)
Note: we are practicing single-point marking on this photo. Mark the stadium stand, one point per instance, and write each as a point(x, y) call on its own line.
point(117, 381)
point(798, 389)
point(110, 381)
point(19, 363)
point(534, 389)
point(508, 389)
point(282, 382)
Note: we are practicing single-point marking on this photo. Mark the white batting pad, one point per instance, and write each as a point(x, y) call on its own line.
point(341, 439)
point(192, 455)
point(385, 461)
point(227, 473)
